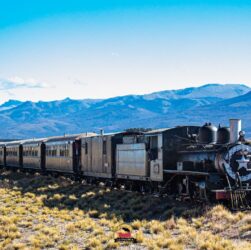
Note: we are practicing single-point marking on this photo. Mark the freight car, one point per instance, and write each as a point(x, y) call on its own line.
point(199, 162)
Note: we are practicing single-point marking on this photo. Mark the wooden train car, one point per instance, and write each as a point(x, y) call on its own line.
point(63, 154)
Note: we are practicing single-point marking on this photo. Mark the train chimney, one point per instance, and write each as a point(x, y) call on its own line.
point(235, 128)
point(101, 132)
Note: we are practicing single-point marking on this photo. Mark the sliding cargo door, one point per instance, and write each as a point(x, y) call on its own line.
point(96, 156)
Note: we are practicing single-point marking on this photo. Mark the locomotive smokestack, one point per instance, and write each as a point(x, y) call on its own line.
point(235, 128)
point(101, 132)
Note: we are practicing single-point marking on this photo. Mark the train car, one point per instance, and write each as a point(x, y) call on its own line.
point(142, 157)
point(63, 154)
point(34, 154)
point(98, 154)
point(131, 158)
point(2, 154)
point(14, 154)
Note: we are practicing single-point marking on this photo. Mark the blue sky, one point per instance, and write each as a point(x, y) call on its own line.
point(51, 49)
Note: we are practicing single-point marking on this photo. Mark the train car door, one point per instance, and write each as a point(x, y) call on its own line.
point(76, 156)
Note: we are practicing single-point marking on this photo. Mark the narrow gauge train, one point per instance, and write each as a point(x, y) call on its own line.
point(196, 161)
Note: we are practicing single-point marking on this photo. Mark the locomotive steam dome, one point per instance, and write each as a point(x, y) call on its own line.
point(236, 162)
point(223, 135)
point(208, 134)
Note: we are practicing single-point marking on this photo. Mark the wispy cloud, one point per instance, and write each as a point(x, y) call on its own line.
point(76, 81)
point(18, 82)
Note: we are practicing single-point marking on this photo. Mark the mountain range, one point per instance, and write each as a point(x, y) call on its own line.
point(212, 102)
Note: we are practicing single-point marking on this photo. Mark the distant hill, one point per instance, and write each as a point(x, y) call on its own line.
point(10, 104)
point(211, 102)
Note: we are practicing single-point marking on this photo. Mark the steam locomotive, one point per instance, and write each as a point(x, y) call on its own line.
point(197, 161)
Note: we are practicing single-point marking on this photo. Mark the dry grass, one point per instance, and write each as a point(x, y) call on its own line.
point(38, 212)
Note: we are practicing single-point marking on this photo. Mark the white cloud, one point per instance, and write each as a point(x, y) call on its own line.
point(18, 82)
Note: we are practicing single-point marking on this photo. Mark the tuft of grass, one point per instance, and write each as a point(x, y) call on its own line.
point(94, 243)
point(136, 224)
point(170, 224)
point(112, 245)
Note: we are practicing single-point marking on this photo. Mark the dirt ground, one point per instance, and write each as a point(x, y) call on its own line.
point(43, 212)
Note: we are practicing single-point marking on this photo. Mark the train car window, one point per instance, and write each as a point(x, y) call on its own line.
point(104, 148)
point(153, 148)
point(67, 153)
point(48, 151)
point(34, 153)
point(140, 139)
point(54, 152)
point(61, 152)
point(86, 148)
point(64, 151)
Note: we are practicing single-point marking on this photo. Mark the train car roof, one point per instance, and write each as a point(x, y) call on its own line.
point(68, 137)
point(32, 141)
point(160, 130)
point(156, 131)
point(14, 143)
point(119, 133)
point(106, 134)
point(48, 139)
